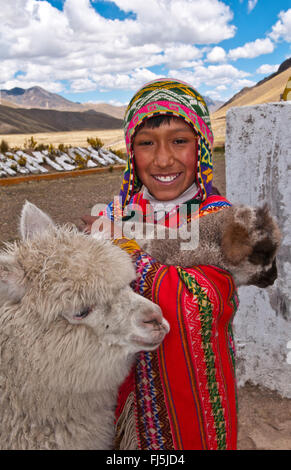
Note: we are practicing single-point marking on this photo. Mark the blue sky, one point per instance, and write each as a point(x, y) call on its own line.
point(103, 51)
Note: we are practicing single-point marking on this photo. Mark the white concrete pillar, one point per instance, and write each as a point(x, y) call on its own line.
point(258, 159)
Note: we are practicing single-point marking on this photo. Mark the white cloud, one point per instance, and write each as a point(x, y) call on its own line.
point(214, 75)
point(251, 4)
point(282, 29)
point(267, 69)
point(91, 52)
point(132, 80)
point(53, 87)
point(241, 83)
point(252, 49)
point(217, 54)
point(86, 49)
point(112, 102)
point(82, 84)
point(194, 21)
point(219, 81)
point(215, 95)
point(200, 22)
point(182, 55)
point(221, 88)
point(44, 32)
point(117, 103)
point(8, 69)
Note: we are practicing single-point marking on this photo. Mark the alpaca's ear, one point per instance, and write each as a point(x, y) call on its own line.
point(33, 221)
point(11, 279)
point(235, 243)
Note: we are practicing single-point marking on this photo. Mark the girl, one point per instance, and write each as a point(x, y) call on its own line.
point(183, 395)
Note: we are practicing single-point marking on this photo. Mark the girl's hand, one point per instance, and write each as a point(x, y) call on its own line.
point(87, 220)
point(101, 225)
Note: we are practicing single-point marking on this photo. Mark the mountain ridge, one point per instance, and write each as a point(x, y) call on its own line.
point(34, 120)
point(282, 67)
point(268, 90)
point(38, 97)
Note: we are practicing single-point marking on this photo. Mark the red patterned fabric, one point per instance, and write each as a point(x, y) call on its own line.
point(185, 393)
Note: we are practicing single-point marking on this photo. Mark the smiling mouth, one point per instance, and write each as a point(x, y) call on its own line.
point(166, 179)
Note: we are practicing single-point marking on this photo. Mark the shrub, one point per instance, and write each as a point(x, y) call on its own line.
point(81, 161)
point(52, 149)
point(63, 148)
point(30, 143)
point(41, 147)
point(22, 161)
point(4, 147)
point(95, 143)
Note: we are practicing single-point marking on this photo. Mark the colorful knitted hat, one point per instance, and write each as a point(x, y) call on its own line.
point(173, 98)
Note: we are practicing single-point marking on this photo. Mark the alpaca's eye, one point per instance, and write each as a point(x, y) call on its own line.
point(84, 313)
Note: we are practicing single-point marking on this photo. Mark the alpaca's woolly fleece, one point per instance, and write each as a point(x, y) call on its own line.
point(59, 372)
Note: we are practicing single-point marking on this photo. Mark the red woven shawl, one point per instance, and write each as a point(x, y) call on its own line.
point(183, 396)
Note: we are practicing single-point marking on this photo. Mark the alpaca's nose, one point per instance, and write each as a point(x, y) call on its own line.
point(155, 320)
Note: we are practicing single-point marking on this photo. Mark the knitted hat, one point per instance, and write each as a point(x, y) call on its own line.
point(173, 98)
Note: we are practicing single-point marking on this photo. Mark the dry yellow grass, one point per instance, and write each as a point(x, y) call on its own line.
point(111, 138)
point(7, 103)
point(267, 92)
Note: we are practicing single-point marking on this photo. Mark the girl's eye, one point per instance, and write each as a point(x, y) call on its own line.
point(84, 313)
point(180, 141)
point(145, 142)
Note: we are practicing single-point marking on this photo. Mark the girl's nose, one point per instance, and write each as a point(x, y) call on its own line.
point(164, 155)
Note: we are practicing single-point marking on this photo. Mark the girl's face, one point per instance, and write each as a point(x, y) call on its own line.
point(165, 158)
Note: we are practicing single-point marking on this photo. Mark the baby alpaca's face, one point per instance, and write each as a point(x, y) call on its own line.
point(165, 158)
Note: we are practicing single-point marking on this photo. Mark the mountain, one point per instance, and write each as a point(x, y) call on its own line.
point(212, 105)
point(115, 111)
point(8, 103)
point(284, 66)
point(37, 97)
point(267, 90)
point(26, 121)
point(38, 110)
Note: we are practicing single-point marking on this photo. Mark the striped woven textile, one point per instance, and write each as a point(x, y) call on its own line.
point(183, 396)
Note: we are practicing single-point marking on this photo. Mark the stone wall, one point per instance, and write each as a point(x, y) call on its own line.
point(258, 158)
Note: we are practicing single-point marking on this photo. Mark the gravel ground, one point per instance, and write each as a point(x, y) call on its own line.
point(64, 199)
point(264, 417)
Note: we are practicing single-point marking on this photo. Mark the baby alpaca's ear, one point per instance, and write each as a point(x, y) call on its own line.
point(33, 221)
point(235, 243)
point(11, 279)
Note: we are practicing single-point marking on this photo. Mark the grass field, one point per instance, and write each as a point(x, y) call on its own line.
point(111, 138)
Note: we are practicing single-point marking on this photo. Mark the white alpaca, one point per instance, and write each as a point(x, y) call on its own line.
point(70, 326)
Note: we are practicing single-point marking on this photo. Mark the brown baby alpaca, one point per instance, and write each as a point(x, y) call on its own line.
point(241, 239)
